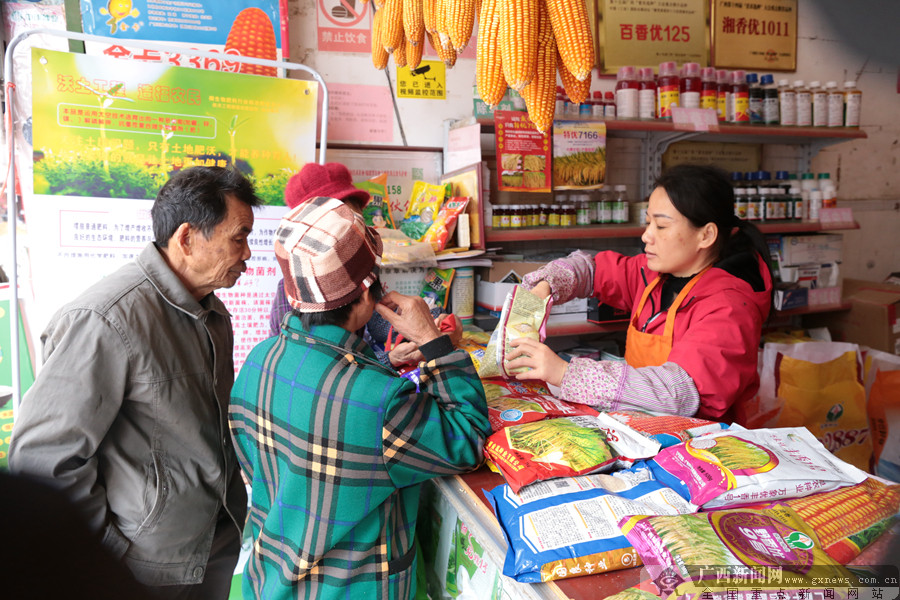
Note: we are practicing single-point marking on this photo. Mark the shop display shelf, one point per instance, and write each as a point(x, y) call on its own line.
point(814, 309)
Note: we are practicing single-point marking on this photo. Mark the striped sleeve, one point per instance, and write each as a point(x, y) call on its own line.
point(569, 277)
point(613, 385)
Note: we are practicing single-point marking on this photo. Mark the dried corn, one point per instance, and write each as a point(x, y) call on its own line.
point(577, 91)
point(572, 30)
point(379, 54)
point(400, 53)
point(414, 51)
point(379, 3)
point(446, 54)
point(413, 21)
point(540, 93)
point(429, 15)
point(440, 21)
point(488, 69)
point(252, 35)
point(392, 25)
point(460, 21)
point(519, 40)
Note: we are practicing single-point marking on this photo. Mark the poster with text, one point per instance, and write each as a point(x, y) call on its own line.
point(523, 153)
point(106, 139)
point(249, 28)
point(579, 155)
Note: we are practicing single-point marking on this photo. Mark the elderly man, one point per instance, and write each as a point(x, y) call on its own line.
point(334, 443)
point(129, 414)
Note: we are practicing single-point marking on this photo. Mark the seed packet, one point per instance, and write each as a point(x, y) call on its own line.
point(569, 527)
point(377, 212)
point(523, 315)
point(668, 430)
point(436, 287)
point(443, 226)
point(565, 447)
point(423, 208)
point(745, 466)
point(709, 554)
point(475, 344)
point(512, 402)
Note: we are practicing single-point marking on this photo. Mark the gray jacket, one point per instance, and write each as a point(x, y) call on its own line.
point(129, 417)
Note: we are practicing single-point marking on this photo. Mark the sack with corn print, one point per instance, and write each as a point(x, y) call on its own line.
point(713, 555)
point(746, 466)
point(569, 527)
point(565, 447)
point(668, 430)
point(512, 402)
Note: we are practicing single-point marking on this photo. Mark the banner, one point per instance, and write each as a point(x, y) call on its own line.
point(251, 28)
point(106, 139)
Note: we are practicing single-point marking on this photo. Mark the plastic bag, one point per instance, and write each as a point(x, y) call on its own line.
point(882, 381)
point(436, 288)
point(565, 447)
point(512, 402)
point(668, 430)
point(746, 466)
point(443, 226)
point(569, 527)
point(523, 315)
point(377, 212)
point(422, 209)
point(401, 251)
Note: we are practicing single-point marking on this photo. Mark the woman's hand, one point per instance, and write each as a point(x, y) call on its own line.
point(542, 362)
point(541, 290)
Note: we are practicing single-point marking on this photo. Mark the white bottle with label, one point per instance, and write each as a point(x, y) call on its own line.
point(815, 205)
point(819, 104)
point(835, 105)
point(804, 104)
point(852, 104)
point(787, 103)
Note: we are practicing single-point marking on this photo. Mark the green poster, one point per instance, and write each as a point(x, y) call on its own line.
point(109, 128)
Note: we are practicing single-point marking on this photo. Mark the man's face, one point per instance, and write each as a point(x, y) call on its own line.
point(218, 262)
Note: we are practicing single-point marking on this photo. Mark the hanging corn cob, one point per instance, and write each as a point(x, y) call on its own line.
point(441, 29)
point(379, 54)
point(413, 21)
point(392, 25)
point(519, 41)
point(460, 20)
point(379, 3)
point(540, 93)
point(488, 69)
point(400, 53)
point(577, 91)
point(414, 51)
point(446, 54)
point(429, 15)
point(572, 30)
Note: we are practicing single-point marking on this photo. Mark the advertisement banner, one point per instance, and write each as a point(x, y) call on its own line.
point(250, 28)
point(755, 35)
point(579, 155)
point(106, 139)
point(523, 153)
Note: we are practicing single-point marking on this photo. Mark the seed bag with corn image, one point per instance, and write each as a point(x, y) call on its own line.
point(523, 315)
point(746, 466)
point(668, 430)
point(512, 402)
point(565, 447)
point(704, 555)
point(422, 210)
point(569, 527)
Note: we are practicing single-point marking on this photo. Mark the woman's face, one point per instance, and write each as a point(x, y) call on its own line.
point(672, 243)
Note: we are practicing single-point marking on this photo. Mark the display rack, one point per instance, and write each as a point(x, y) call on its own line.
point(10, 127)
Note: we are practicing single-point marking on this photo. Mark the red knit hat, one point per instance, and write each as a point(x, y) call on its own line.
point(331, 180)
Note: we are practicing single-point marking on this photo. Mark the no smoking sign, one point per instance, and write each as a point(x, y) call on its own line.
point(343, 26)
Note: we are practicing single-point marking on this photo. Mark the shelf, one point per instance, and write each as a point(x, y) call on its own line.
point(586, 328)
point(815, 309)
point(588, 232)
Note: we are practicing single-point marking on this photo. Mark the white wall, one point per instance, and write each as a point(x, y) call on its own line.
point(837, 40)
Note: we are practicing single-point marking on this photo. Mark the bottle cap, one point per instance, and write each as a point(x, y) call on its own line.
point(752, 78)
point(691, 69)
point(814, 84)
point(647, 73)
point(783, 83)
point(767, 79)
point(781, 174)
point(609, 96)
point(831, 85)
point(807, 176)
point(624, 73)
point(722, 75)
point(849, 84)
point(823, 176)
point(668, 68)
point(620, 188)
point(598, 95)
point(708, 74)
point(764, 175)
point(798, 83)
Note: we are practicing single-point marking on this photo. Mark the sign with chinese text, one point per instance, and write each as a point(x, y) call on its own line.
point(644, 33)
point(579, 155)
point(755, 35)
point(360, 113)
point(727, 156)
point(523, 153)
point(250, 28)
point(106, 139)
point(427, 81)
point(344, 26)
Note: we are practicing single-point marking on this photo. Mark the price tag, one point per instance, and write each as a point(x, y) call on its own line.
point(695, 119)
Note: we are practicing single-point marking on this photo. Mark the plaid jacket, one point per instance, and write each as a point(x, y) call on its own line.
point(336, 446)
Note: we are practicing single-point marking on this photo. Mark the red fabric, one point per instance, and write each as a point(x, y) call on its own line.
point(717, 328)
point(331, 180)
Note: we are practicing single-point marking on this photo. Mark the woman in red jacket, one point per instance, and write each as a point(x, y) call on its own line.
point(698, 297)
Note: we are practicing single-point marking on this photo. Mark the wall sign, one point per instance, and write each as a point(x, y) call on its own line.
point(755, 35)
point(343, 26)
point(645, 33)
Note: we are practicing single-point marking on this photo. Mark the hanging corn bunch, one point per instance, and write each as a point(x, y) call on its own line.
point(540, 93)
point(572, 29)
point(518, 41)
point(488, 69)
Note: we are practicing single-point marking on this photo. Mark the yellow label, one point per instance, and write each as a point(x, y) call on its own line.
point(428, 81)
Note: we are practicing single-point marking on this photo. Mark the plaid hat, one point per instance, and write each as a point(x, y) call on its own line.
point(327, 255)
point(331, 180)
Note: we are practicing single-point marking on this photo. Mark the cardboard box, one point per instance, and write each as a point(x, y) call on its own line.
point(494, 283)
point(813, 249)
point(872, 318)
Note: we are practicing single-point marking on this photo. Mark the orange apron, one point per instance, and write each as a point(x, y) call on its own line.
point(649, 349)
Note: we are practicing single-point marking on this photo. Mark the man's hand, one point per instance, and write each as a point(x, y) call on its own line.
point(405, 353)
point(542, 362)
point(452, 326)
point(409, 316)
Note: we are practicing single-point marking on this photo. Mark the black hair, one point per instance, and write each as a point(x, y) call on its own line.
point(703, 194)
point(338, 316)
point(198, 196)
